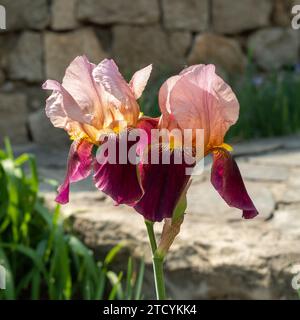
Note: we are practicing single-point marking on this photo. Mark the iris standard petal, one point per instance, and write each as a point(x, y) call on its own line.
point(227, 180)
point(164, 95)
point(80, 84)
point(199, 99)
point(79, 167)
point(139, 81)
point(120, 94)
point(61, 108)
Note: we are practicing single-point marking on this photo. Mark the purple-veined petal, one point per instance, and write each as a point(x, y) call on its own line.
point(163, 186)
point(79, 167)
point(118, 179)
point(227, 180)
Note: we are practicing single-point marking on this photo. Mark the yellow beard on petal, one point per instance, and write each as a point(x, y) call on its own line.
point(209, 149)
point(83, 132)
point(226, 147)
point(95, 136)
point(223, 146)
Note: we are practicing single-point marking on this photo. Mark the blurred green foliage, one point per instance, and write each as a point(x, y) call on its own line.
point(43, 260)
point(270, 105)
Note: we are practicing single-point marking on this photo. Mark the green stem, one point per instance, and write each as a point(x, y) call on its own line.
point(158, 261)
point(151, 236)
point(158, 268)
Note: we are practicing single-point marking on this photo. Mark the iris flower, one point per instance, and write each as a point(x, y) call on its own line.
point(94, 101)
point(91, 102)
point(197, 98)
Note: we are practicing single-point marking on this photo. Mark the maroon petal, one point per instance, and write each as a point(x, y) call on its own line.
point(119, 181)
point(79, 167)
point(227, 180)
point(163, 185)
point(146, 124)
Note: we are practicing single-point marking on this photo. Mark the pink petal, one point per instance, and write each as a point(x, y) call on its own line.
point(167, 119)
point(227, 180)
point(191, 69)
point(107, 75)
point(199, 99)
point(55, 110)
point(119, 181)
point(80, 84)
point(164, 94)
point(79, 167)
point(61, 108)
point(139, 81)
point(166, 88)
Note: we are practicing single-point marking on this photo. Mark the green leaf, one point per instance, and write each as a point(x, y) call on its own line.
point(139, 282)
point(40, 256)
point(8, 148)
point(180, 208)
point(116, 283)
point(181, 204)
point(9, 292)
point(128, 290)
point(112, 253)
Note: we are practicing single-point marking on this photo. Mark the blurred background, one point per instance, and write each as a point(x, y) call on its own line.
point(249, 39)
point(255, 49)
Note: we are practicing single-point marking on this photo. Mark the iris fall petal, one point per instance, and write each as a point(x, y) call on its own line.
point(79, 167)
point(163, 185)
point(119, 181)
point(227, 180)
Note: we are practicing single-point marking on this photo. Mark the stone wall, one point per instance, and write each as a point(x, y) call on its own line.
point(43, 36)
